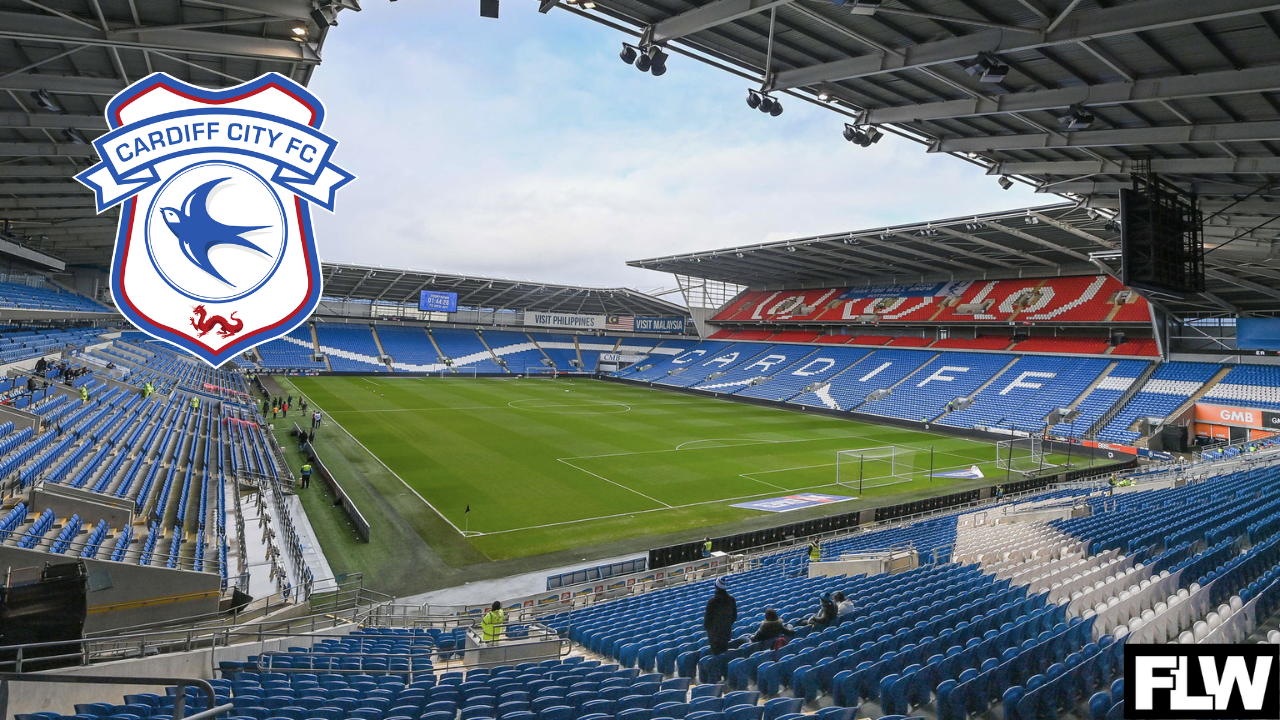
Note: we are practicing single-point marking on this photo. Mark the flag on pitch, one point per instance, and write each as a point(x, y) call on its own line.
point(626, 323)
point(468, 512)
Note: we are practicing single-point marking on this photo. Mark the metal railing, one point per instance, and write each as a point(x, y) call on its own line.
point(179, 706)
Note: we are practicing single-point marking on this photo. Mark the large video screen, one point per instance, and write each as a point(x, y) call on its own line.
point(1258, 334)
point(432, 301)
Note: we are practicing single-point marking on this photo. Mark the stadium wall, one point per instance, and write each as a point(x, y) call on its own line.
point(133, 594)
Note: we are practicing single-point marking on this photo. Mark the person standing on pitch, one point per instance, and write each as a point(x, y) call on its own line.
point(306, 475)
point(717, 621)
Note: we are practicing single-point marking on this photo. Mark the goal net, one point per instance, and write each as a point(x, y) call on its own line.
point(1022, 455)
point(470, 371)
point(540, 371)
point(867, 468)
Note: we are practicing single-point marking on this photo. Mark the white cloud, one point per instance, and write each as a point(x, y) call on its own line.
point(524, 148)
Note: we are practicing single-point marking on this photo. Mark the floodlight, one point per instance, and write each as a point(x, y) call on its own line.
point(628, 53)
point(1078, 117)
point(45, 101)
point(1005, 182)
point(74, 136)
point(766, 104)
point(753, 99)
point(657, 60)
point(299, 30)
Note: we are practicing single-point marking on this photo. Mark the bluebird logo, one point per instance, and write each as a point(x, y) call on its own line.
point(215, 251)
point(1202, 682)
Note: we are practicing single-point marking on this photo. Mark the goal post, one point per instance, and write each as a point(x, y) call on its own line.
point(1022, 455)
point(868, 468)
point(466, 371)
point(540, 371)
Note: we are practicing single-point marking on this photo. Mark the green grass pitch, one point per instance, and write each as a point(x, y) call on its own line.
point(549, 465)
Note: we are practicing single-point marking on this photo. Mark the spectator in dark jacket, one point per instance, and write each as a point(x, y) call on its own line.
point(826, 613)
point(771, 629)
point(722, 611)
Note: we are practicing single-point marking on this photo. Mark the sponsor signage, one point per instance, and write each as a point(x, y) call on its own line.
point(1201, 682)
point(660, 324)
point(568, 321)
point(1237, 416)
point(617, 358)
point(432, 301)
point(945, 289)
point(792, 502)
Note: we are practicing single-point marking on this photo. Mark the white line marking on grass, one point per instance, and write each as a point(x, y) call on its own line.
point(611, 482)
point(393, 473)
point(744, 441)
point(583, 409)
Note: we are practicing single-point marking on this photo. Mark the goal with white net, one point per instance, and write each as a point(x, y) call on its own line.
point(867, 468)
point(470, 371)
point(1022, 455)
point(540, 371)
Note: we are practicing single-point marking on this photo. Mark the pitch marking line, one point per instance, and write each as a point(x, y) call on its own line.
point(394, 473)
point(611, 482)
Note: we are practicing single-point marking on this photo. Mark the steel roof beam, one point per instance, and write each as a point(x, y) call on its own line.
point(45, 188)
point(1239, 282)
point(996, 246)
point(30, 213)
point(68, 84)
point(86, 203)
point(1226, 82)
point(1180, 134)
point(1126, 19)
point(1111, 187)
point(39, 171)
point(902, 247)
point(1181, 166)
point(45, 149)
point(50, 28)
point(1037, 240)
point(708, 16)
point(1071, 228)
point(50, 121)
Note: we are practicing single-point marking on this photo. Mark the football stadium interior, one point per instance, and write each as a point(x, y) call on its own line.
point(946, 469)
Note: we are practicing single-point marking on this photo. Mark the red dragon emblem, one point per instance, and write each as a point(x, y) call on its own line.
point(204, 324)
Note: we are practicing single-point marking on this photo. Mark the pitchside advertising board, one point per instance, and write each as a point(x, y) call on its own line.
point(1201, 682)
point(433, 301)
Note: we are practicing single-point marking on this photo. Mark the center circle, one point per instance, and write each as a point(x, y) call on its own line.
point(215, 231)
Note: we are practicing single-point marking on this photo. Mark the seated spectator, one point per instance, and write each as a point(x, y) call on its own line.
point(844, 606)
point(826, 613)
point(771, 629)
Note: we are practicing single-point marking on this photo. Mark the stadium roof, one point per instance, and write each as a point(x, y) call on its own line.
point(1194, 86)
point(1034, 242)
point(82, 52)
point(379, 284)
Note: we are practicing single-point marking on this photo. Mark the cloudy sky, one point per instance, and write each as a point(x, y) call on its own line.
point(524, 148)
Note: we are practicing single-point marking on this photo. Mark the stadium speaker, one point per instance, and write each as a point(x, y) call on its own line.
point(489, 8)
point(1118, 339)
point(1174, 438)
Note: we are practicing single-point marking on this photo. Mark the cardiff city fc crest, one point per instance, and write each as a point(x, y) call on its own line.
point(215, 252)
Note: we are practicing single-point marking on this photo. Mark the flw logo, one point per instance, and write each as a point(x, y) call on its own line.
point(215, 252)
point(1202, 682)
